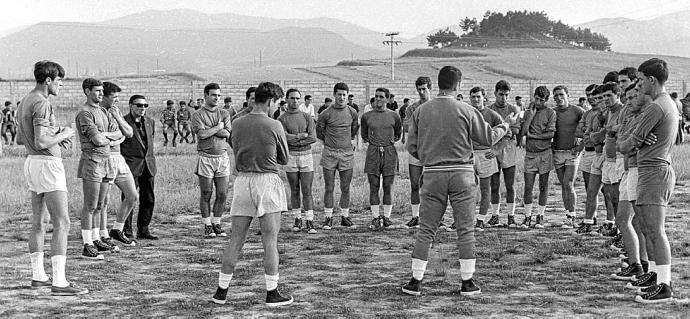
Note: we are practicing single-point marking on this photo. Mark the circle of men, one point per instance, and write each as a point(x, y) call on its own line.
point(622, 144)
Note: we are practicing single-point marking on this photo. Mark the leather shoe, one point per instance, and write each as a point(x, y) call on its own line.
point(147, 235)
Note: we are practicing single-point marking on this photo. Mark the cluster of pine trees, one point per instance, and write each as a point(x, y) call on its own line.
point(517, 26)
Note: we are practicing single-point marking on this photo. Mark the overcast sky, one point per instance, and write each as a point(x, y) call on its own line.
point(410, 17)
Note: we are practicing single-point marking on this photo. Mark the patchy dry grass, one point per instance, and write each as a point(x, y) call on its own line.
point(352, 273)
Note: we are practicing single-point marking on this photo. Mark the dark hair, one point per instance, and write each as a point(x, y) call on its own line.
point(328, 99)
point(89, 83)
point(351, 95)
point(582, 99)
point(405, 100)
point(561, 87)
point(598, 90)
point(227, 99)
point(542, 92)
point(590, 88)
point(610, 86)
point(674, 95)
point(372, 100)
point(307, 97)
point(423, 80)
point(267, 91)
point(630, 72)
point(502, 85)
point(110, 88)
point(385, 91)
point(391, 95)
point(611, 77)
point(459, 95)
point(340, 86)
point(448, 77)
point(656, 68)
point(135, 97)
point(249, 92)
point(211, 86)
point(632, 86)
point(518, 98)
point(478, 89)
point(8, 103)
point(170, 102)
point(47, 69)
point(183, 103)
point(292, 90)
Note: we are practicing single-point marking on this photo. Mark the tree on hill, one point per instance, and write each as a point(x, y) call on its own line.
point(442, 38)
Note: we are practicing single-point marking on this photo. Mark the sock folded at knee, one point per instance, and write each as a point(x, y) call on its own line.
point(58, 263)
point(387, 210)
point(467, 268)
point(418, 268)
point(415, 210)
point(224, 280)
point(375, 211)
point(328, 212)
point(271, 282)
point(310, 214)
point(37, 269)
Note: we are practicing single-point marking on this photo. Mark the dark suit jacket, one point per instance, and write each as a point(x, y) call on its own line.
point(137, 155)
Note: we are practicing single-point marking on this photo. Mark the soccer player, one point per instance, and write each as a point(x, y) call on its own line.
point(212, 125)
point(45, 176)
point(337, 127)
point(184, 115)
point(169, 120)
point(249, 94)
point(485, 164)
point(565, 153)
point(260, 148)
point(423, 85)
point(441, 135)
point(307, 107)
point(626, 77)
point(506, 157)
point(300, 134)
point(381, 128)
point(9, 122)
point(351, 102)
point(92, 128)
point(119, 171)
point(656, 177)
point(539, 128)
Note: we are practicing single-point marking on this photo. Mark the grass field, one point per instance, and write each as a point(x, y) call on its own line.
point(340, 273)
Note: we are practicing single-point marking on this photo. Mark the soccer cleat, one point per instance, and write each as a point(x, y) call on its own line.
point(468, 288)
point(526, 222)
point(208, 231)
point(345, 221)
point(584, 229)
point(413, 223)
point(386, 222)
point(328, 223)
point(493, 221)
point(91, 252)
point(375, 223)
point(218, 230)
point(120, 236)
point(297, 227)
point(101, 246)
point(643, 281)
point(275, 299)
point(414, 287)
point(511, 221)
point(540, 222)
point(109, 241)
point(628, 273)
point(310, 227)
point(36, 284)
point(479, 225)
point(569, 222)
point(658, 294)
point(220, 296)
point(70, 290)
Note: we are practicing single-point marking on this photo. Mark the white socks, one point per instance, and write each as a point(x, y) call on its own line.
point(528, 210)
point(495, 209)
point(375, 211)
point(96, 234)
point(541, 210)
point(345, 212)
point(328, 212)
point(215, 220)
point(224, 280)
point(38, 272)
point(104, 233)
point(387, 209)
point(271, 282)
point(467, 268)
point(663, 274)
point(297, 213)
point(310, 214)
point(589, 221)
point(415, 210)
point(118, 226)
point(59, 279)
point(418, 268)
point(86, 236)
point(511, 209)
point(652, 266)
point(206, 221)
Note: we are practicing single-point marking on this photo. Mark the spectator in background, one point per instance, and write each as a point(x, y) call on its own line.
point(282, 108)
point(369, 107)
point(405, 123)
point(518, 103)
point(326, 104)
point(582, 103)
point(307, 107)
point(459, 97)
point(392, 104)
point(685, 102)
point(9, 123)
point(351, 102)
point(679, 106)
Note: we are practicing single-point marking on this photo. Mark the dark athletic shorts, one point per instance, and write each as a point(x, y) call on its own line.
point(381, 160)
point(655, 185)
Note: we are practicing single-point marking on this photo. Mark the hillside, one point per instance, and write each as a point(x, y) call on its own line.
point(667, 35)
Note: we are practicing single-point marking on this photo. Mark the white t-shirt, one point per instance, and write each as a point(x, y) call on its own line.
point(309, 110)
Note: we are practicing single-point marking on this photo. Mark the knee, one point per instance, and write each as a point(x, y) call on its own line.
point(61, 223)
point(206, 194)
point(221, 196)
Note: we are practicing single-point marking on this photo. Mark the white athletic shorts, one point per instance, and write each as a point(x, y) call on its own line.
point(611, 171)
point(257, 194)
point(118, 168)
point(484, 167)
point(213, 166)
point(628, 185)
point(45, 174)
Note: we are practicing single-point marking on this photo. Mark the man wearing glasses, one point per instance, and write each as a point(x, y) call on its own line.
point(138, 153)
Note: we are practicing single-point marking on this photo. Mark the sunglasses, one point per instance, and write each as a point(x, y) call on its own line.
point(144, 105)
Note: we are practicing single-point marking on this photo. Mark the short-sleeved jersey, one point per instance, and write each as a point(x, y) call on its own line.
point(91, 121)
point(34, 112)
point(204, 119)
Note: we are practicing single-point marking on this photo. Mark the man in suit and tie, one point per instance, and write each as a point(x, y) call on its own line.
point(138, 153)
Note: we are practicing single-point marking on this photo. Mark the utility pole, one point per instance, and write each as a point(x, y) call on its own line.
point(391, 42)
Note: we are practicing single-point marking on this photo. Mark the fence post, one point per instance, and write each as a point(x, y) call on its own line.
point(685, 89)
point(367, 90)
